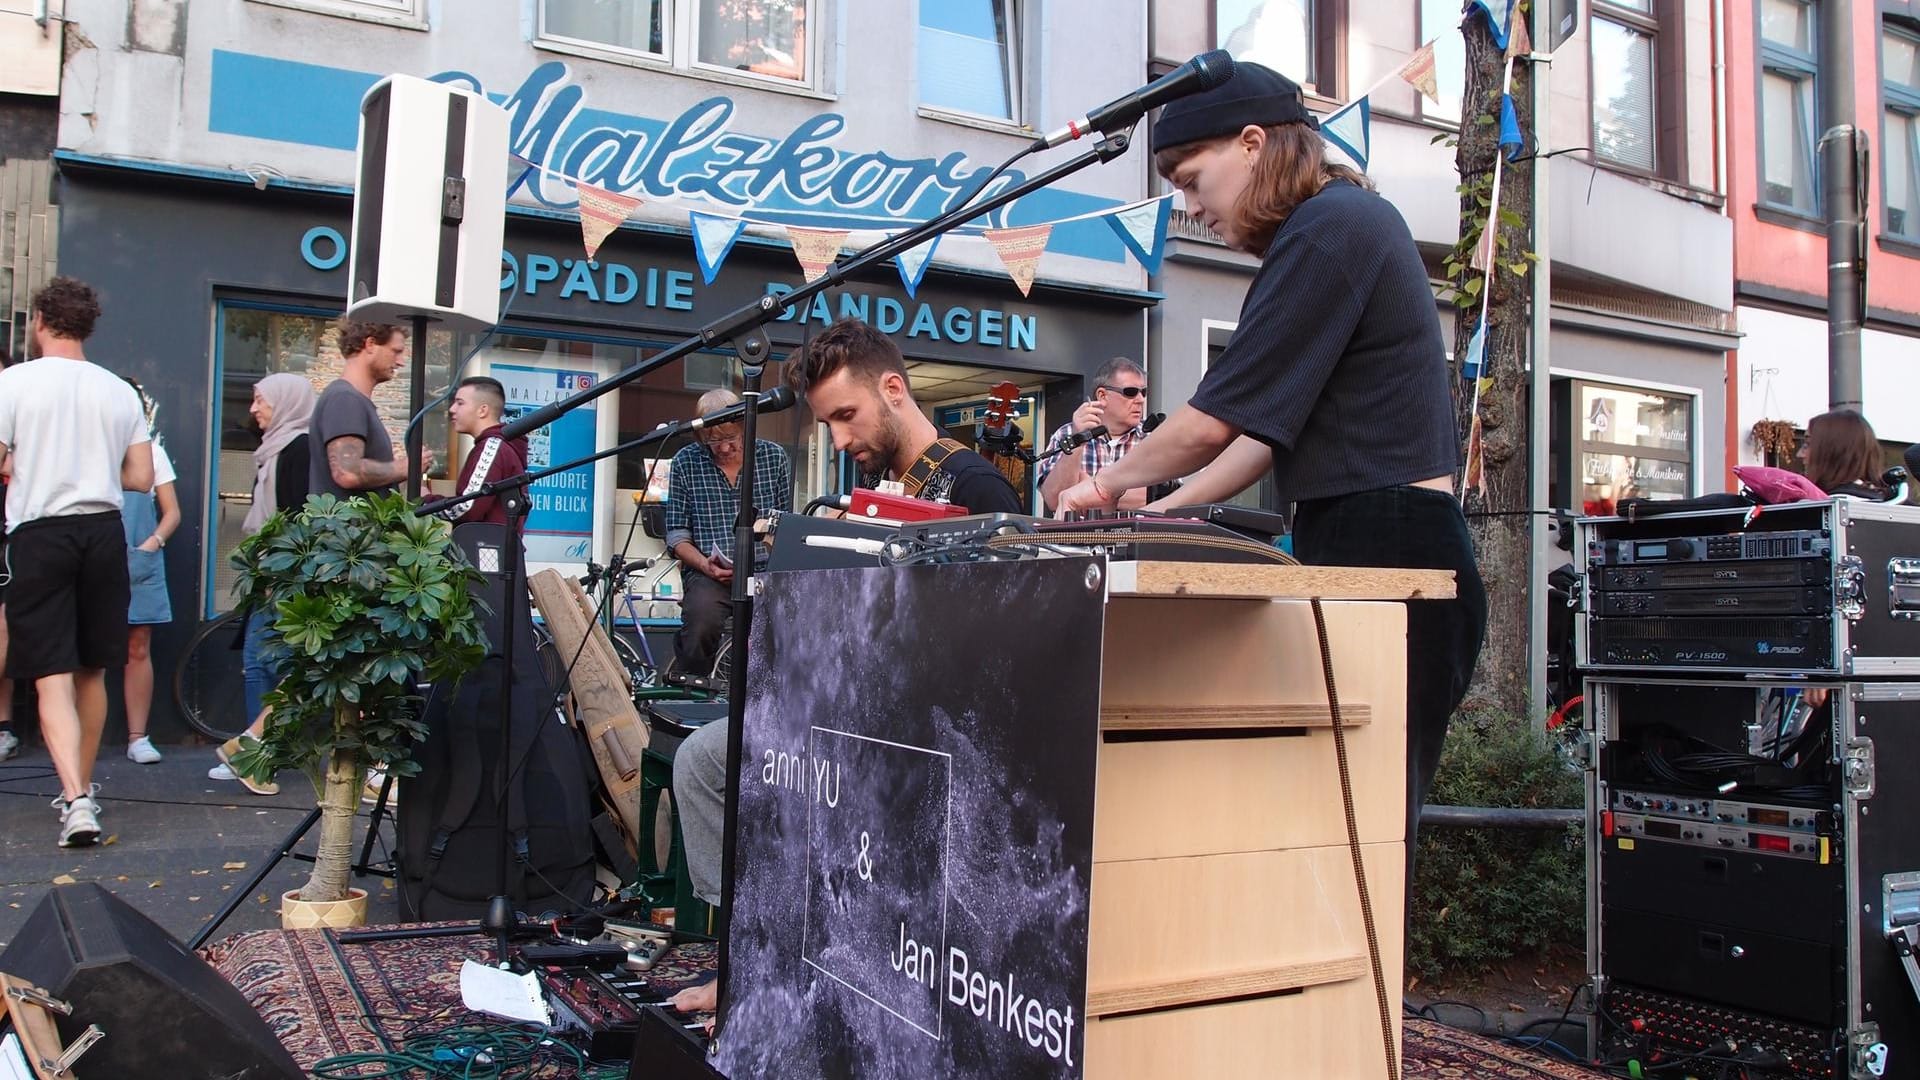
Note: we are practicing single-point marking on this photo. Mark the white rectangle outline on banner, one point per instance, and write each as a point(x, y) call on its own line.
point(806, 909)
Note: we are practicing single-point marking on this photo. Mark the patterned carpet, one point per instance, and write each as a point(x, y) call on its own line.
point(323, 998)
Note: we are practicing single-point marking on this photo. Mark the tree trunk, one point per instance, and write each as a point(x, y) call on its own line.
point(1499, 509)
point(339, 803)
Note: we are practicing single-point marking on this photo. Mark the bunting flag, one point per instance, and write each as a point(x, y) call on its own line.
point(1143, 228)
point(1510, 138)
point(1420, 73)
point(1020, 249)
point(1476, 351)
point(1349, 128)
point(1519, 43)
point(913, 262)
point(1476, 475)
point(713, 238)
point(601, 212)
point(815, 248)
point(1499, 18)
point(520, 170)
point(1483, 250)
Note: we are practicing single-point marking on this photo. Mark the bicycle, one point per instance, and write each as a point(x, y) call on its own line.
point(209, 686)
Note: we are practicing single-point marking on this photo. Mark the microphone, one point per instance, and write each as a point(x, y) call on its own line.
point(1203, 72)
point(773, 401)
point(1152, 422)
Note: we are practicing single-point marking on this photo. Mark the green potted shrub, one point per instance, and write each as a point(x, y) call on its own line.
point(368, 600)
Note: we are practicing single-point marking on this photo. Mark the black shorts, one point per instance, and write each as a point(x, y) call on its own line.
point(67, 602)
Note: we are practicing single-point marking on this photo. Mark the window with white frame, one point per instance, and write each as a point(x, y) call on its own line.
point(1440, 24)
point(1900, 92)
point(764, 38)
point(1788, 99)
point(402, 12)
point(1274, 33)
point(1625, 35)
point(969, 57)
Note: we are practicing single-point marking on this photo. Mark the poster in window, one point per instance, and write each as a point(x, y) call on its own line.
point(560, 523)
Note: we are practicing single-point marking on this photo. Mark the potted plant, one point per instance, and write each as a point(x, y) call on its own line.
point(368, 600)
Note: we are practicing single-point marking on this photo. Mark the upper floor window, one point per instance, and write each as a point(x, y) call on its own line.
point(1788, 96)
point(400, 12)
point(766, 38)
point(1900, 89)
point(1278, 34)
point(969, 57)
point(1440, 23)
point(1626, 129)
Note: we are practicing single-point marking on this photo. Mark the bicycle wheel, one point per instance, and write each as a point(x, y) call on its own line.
point(640, 674)
point(209, 685)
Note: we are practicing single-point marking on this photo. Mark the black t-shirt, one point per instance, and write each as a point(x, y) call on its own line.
point(1338, 362)
point(343, 410)
point(966, 479)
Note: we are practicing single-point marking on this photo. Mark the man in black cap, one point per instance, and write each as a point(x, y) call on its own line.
point(1336, 379)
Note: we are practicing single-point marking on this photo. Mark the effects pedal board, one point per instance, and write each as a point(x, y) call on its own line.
point(602, 1008)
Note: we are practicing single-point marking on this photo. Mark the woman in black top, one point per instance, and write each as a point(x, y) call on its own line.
point(1336, 379)
point(1842, 455)
point(282, 406)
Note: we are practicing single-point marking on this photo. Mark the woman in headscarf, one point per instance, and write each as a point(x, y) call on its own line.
point(150, 518)
point(282, 406)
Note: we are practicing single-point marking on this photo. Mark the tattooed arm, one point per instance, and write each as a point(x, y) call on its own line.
point(346, 460)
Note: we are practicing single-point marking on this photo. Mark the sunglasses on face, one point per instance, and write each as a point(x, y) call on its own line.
point(1126, 391)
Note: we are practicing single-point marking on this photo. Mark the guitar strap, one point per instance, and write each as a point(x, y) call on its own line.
point(932, 458)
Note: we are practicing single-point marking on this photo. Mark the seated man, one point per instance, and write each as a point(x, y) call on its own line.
point(703, 499)
point(1114, 417)
point(855, 381)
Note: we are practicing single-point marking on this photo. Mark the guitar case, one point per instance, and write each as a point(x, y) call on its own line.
point(448, 817)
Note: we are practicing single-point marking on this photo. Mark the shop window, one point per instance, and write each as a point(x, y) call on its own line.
point(1900, 91)
point(969, 57)
point(1625, 131)
point(1440, 23)
point(1278, 34)
point(398, 12)
point(254, 342)
point(1788, 97)
point(763, 38)
point(1619, 442)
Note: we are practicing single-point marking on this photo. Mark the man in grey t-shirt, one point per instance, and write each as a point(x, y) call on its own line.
point(358, 452)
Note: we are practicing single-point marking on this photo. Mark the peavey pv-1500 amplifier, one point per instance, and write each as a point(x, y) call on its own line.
point(1814, 588)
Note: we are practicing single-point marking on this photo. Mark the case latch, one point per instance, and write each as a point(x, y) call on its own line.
point(1859, 768)
point(1850, 586)
point(1900, 920)
point(1903, 588)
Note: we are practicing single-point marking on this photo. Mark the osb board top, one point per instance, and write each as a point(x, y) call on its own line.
point(1252, 581)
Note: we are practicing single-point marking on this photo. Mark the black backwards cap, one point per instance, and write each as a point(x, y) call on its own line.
point(1252, 95)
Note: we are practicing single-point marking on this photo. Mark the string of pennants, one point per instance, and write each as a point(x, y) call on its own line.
point(1141, 227)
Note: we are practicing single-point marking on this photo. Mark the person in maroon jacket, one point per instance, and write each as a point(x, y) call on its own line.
point(477, 408)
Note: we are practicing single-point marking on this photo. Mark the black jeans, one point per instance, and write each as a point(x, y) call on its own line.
point(705, 607)
point(1421, 529)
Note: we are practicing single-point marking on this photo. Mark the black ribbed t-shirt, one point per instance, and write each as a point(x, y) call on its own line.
point(1338, 362)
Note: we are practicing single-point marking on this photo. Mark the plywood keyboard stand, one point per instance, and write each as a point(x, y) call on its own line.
point(1226, 938)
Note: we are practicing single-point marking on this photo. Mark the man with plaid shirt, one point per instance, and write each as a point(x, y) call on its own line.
point(703, 499)
point(1115, 414)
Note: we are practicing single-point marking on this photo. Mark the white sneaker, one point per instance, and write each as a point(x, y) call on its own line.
point(79, 821)
point(9, 745)
point(221, 772)
point(141, 750)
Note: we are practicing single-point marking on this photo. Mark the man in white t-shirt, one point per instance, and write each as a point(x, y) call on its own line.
point(74, 437)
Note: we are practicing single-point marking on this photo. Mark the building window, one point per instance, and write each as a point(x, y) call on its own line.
point(1624, 442)
point(1440, 24)
point(1624, 35)
point(400, 12)
point(1900, 87)
point(1278, 34)
point(969, 57)
point(1788, 95)
point(765, 38)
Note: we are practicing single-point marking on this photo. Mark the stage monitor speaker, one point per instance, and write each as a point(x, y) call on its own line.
point(162, 1009)
point(430, 208)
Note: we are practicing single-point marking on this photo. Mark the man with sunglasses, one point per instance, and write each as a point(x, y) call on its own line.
point(1113, 416)
point(703, 498)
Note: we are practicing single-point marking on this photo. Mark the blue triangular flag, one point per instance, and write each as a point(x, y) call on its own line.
point(713, 237)
point(913, 262)
point(1499, 18)
point(1350, 129)
point(1143, 229)
point(1510, 138)
point(1476, 352)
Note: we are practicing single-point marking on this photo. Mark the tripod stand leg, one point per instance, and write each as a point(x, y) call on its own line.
point(373, 829)
point(240, 894)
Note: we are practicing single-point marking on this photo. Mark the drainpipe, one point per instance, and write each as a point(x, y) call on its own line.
point(1841, 147)
point(1538, 356)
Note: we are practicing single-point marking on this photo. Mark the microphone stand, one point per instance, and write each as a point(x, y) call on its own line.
point(745, 330)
